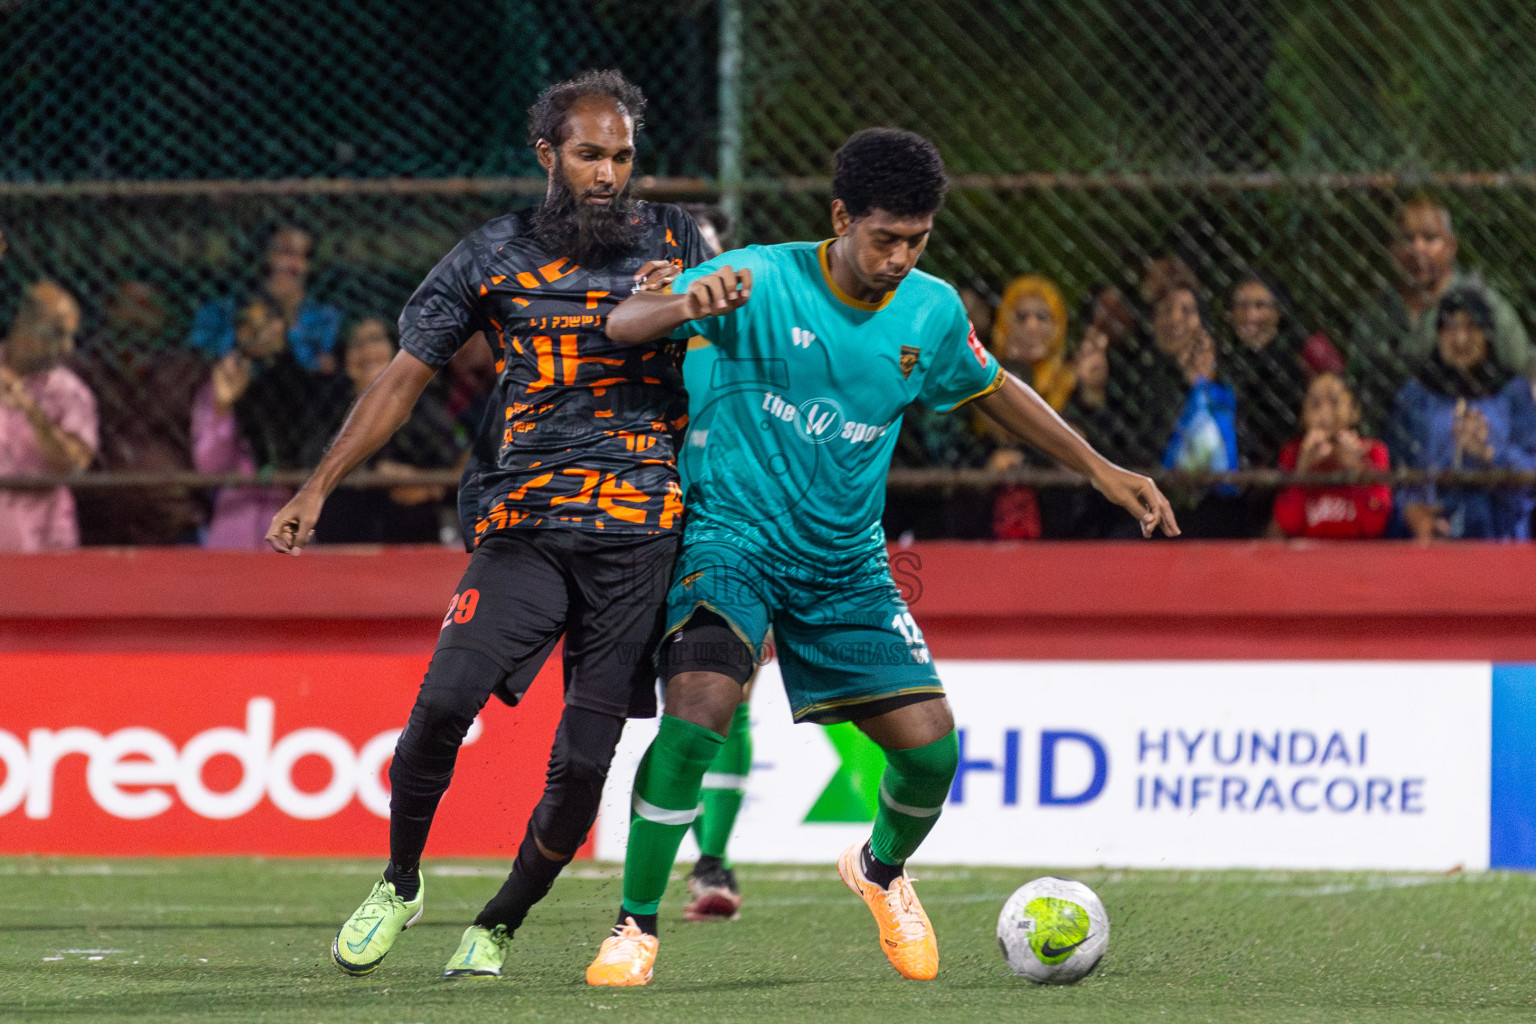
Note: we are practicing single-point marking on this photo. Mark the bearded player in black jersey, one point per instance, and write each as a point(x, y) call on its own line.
point(570, 501)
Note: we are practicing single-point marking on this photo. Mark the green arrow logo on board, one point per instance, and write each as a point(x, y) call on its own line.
point(853, 793)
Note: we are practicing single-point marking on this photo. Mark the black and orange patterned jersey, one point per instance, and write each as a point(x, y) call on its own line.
point(582, 433)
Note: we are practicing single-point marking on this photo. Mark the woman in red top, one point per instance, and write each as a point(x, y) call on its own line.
point(1329, 415)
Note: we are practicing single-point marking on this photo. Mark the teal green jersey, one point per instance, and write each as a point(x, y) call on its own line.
point(795, 410)
point(698, 372)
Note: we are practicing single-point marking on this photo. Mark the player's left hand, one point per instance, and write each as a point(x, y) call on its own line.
point(656, 275)
point(1139, 496)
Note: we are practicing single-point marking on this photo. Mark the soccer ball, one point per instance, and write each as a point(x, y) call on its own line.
point(1053, 931)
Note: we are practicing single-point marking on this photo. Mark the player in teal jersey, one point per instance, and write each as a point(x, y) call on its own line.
point(821, 346)
point(712, 889)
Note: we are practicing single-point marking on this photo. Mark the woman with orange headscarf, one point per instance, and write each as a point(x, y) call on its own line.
point(1029, 337)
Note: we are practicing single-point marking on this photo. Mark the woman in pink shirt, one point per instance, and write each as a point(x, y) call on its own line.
point(241, 515)
point(48, 421)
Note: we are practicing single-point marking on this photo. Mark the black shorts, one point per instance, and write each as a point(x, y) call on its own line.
point(606, 595)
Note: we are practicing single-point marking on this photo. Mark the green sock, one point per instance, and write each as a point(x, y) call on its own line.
point(725, 784)
point(665, 802)
point(912, 793)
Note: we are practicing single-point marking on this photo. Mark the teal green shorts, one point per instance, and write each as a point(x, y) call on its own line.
point(844, 639)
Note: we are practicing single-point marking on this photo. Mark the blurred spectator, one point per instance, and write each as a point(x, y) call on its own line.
point(1081, 512)
point(311, 328)
point(1108, 312)
point(241, 515)
point(1203, 434)
point(1201, 411)
point(1392, 339)
point(277, 399)
point(408, 514)
point(1330, 443)
point(1204, 437)
point(1029, 337)
point(144, 390)
point(1465, 410)
point(1172, 294)
point(1151, 389)
point(1265, 365)
point(1189, 406)
point(47, 420)
point(1094, 408)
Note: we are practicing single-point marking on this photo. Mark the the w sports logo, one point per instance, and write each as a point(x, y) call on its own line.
point(802, 337)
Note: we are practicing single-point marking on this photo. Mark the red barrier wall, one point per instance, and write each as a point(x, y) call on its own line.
point(1113, 600)
point(179, 701)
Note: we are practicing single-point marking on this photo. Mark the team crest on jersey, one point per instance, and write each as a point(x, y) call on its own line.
point(909, 357)
point(977, 349)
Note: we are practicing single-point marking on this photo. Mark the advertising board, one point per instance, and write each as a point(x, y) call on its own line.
point(1194, 764)
point(258, 753)
point(1148, 764)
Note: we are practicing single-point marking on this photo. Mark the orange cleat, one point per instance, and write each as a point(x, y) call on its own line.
point(627, 957)
point(905, 932)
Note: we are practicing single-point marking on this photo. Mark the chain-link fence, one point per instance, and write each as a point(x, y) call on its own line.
point(1320, 172)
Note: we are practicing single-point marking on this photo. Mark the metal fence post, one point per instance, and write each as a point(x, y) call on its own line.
point(730, 109)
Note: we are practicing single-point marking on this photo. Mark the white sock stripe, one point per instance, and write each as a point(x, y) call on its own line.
point(900, 808)
point(721, 780)
point(660, 815)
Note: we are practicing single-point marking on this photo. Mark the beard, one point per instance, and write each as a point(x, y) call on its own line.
point(593, 236)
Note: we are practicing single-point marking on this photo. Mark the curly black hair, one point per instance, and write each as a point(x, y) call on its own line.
point(549, 115)
point(889, 169)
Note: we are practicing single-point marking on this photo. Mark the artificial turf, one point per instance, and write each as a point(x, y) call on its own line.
point(241, 939)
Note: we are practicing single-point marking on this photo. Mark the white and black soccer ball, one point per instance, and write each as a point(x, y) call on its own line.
point(1053, 931)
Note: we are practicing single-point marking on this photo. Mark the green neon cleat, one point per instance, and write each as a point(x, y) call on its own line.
point(480, 953)
point(369, 933)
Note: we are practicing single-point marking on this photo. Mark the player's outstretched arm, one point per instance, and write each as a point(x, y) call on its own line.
point(647, 316)
point(1016, 408)
point(382, 410)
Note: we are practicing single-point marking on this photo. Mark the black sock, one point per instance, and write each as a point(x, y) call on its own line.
point(646, 922)
point(877, 870)
point(707, 864)
point(407, 883)
point(530, 880)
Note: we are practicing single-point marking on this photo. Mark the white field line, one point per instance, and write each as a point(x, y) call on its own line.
point(1272, 891)
point(1371, 885)
point(1280, 883)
